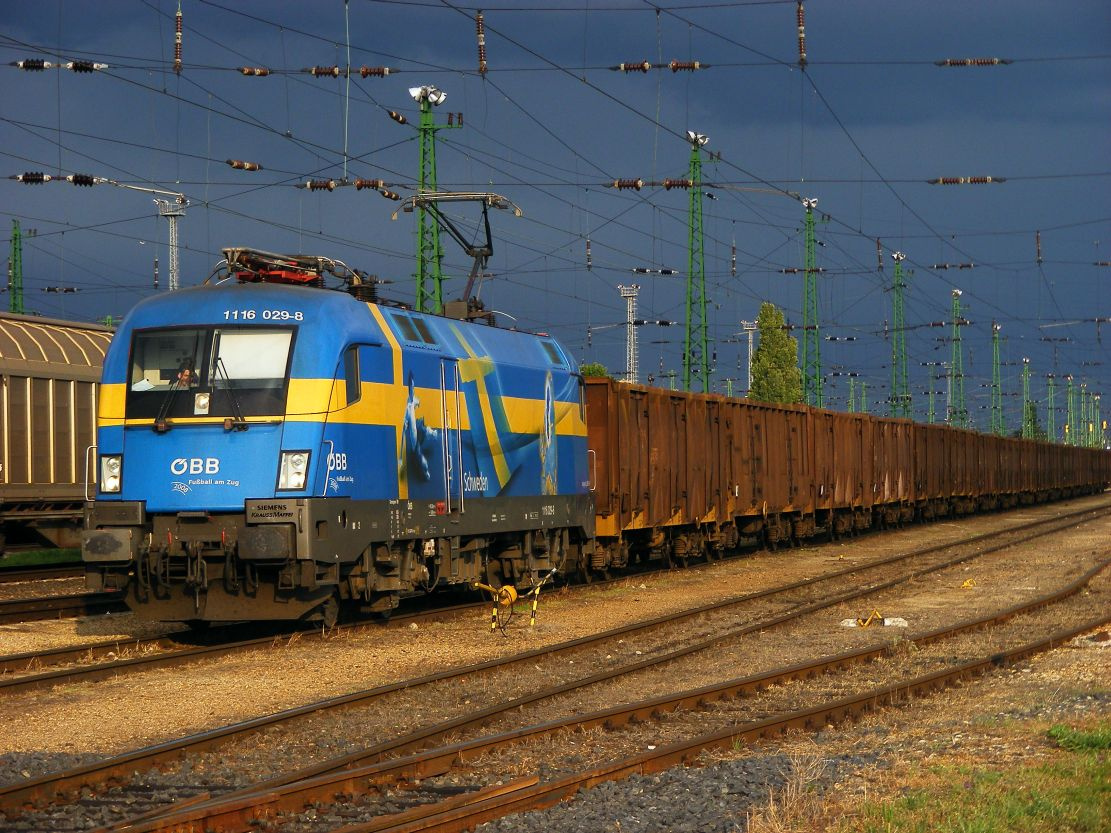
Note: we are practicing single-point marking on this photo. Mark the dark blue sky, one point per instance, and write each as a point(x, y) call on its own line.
point(862, 130)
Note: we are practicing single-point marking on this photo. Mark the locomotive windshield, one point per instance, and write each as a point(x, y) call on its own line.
point(209, 371)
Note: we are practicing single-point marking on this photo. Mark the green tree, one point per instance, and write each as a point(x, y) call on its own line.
point(594, 369)
point(775, 364)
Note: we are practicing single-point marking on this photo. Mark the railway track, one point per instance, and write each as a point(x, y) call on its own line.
point(22, 574)
point(406, 764)
point(95, 776)
point(98, 660)
point(60, 607)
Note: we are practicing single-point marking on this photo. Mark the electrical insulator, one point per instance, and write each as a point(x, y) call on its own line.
point(390, 195)
point(1038, 245)
point(459, 119)
point(254, 71)
point(643, 66)
point(397, 117)
point(966, 180)
point(450, 119)
point(85, 180)
point(32, 177)
point(240, 165)
point(84, 66)
point(733, 260)
point(480, 28)
point(33, 64)
point(677, 183)
point(973, 62)
point(320, 72)
point(156, 272)
point(589, 257)
point(374, 72)
point(360, 184)
point(177, 41)
point(802, 34)
point(685, 66)
point(623, 184)
point(319, 185)
point(879, 255)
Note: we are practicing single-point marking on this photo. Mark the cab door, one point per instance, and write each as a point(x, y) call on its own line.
point(451, 437)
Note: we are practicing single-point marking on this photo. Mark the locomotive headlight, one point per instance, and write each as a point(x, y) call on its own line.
point(111, 466)
point(293, 470)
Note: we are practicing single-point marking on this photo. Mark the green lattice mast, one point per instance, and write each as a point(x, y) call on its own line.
point(811, 335)
point(696, 352)
point(1051, 408)
point(997, 427)
point(429, 251)
point(900, 405)
point(1097, 422)
point(958, 412)
point(1029, 417)
point(1070, 399)
point(1084, 433)
point(15, 271)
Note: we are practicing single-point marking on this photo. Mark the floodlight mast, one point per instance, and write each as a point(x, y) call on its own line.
point(429, 251)
point(172, 209)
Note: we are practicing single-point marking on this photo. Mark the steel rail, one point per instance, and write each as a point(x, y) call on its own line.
point(60, 607)
point(109, 650)
point(477, 808)
point(15, 575)
point(838, 711)
point(111, 770)
point(342, 776)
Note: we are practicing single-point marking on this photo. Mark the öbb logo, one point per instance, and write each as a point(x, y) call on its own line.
point(195, 465)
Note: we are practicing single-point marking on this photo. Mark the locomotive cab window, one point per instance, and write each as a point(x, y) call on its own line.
point(554, 354)
point(209, 371)
point(351, 374)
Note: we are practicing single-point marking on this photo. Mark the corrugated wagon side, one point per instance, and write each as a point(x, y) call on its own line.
point(49, 375)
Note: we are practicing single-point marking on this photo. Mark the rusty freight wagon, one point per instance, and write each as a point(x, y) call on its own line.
point(49, 374)
point(682, 475)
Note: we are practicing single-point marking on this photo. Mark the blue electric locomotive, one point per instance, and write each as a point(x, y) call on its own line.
point(269, 448)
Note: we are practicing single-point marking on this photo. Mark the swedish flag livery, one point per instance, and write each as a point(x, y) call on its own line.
point(274, 450)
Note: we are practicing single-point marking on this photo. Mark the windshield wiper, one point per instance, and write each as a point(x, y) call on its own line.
point(235, 422)
point(185, 377)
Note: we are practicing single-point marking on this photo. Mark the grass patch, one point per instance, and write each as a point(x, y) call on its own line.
point(1070, 793)
point(1077, 740)
point(40, 558)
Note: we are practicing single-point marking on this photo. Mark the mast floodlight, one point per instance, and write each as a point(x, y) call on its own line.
point(428, 93)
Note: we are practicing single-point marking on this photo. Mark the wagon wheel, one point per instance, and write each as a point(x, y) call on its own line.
point(589, 576)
